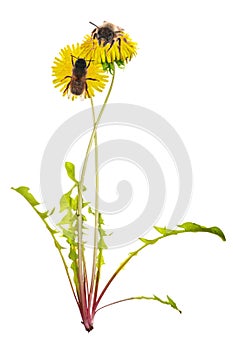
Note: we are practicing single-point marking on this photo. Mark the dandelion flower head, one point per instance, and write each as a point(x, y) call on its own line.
point(109, 44)
point(94, 77)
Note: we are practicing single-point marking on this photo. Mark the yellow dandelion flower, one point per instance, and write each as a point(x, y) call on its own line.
point(108, 44)
point(76, 76)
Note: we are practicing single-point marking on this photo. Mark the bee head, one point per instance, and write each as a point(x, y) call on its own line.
point(80, 63)
point(105, 34)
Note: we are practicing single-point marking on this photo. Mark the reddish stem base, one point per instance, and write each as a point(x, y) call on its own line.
point(88, 324)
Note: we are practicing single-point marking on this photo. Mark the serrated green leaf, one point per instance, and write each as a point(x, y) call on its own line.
point(70, 236)
point(24, 191)
point(68, 202)
point(100, 260)
point(186, 227)
point(101, 244)
point(90, 211)
point(163, 230)
point(169, 301)
point(102, 232)
point(74, 203)
point(85, 204)
point(52, 211)
point(58, 245)
point(75, 271)
point(65, 201)
point(173, 304)
point(101, 220)
point(217, 231)
point(73, 255)
point(43, 215)
point(144, 240)
point(51, 230)
point(70, 169)
point(151, 241)
point(131, 254)
point(192, 227)
point(68, 219)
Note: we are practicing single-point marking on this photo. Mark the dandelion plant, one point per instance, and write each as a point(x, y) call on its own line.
point(81, 70)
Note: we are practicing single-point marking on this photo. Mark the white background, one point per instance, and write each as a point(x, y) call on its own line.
point(183, 72)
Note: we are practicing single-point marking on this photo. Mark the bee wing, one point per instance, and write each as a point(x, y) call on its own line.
point(119, 29)
point(82, 96)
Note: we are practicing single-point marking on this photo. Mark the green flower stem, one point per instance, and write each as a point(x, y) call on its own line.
point(96, 210)
point(96, 285)
point(81, 257)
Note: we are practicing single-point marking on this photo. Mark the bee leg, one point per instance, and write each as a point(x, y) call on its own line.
point(67, 76)
point(89, 63)
point(72, 59)
point(113, 42)
point(119, 44)
point(86, 88)
point(66, 89)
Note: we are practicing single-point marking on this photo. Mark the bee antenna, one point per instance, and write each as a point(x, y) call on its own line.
point(94, 24)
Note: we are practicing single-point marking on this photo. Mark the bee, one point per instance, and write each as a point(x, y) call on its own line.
point(107, 33)
point(78, 79)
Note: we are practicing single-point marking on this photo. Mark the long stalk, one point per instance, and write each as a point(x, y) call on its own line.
point(99, 265)
point(81, 257)
point(96, 210)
